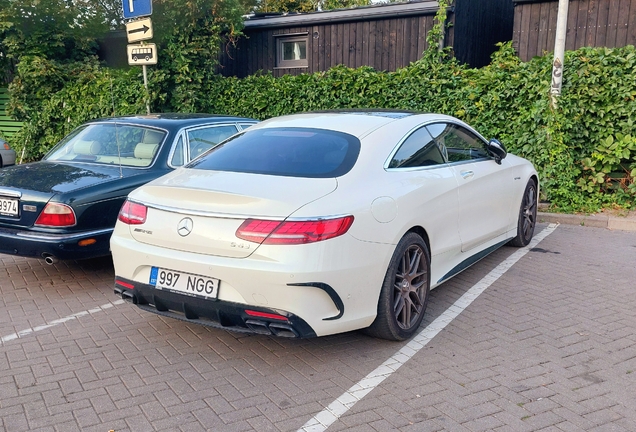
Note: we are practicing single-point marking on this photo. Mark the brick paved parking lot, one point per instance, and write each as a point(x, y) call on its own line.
point(550, 345)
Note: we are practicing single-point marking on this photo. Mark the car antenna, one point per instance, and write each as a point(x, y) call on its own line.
point(112, 98)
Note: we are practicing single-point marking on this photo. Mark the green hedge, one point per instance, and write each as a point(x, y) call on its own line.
point(584, 150)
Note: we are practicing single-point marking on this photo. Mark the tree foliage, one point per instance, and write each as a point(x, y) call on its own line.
point(65, 31)
point(189, 34)
point(55, 29)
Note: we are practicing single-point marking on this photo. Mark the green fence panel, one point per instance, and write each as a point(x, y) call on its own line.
point(8, 126)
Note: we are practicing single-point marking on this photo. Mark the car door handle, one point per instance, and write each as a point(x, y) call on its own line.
point(467, 174)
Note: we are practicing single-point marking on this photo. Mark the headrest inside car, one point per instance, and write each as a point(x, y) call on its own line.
point(87, 148)
point(152, 137)
point(145, 151)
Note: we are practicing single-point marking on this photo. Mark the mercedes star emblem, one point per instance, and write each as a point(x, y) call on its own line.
point(185, 227)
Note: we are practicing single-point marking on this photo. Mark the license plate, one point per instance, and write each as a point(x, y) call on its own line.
point(186, 283)
point(9, 206)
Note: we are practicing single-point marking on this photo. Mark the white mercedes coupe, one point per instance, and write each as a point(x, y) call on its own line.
point(320, 223)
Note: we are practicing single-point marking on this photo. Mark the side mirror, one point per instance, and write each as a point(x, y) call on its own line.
point(496, 150)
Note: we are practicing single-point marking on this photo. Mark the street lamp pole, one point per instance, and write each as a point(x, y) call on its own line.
point(559, 51)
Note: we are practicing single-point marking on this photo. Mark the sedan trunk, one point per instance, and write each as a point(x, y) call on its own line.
point(34, 185)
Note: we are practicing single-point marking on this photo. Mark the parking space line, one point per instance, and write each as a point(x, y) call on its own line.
point(321, 421)
point(29, 331)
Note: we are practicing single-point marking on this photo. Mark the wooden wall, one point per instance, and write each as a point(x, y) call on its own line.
point(596, 23)
point(385, 44)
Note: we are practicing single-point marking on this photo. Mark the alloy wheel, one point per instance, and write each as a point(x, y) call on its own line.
point(529, 212)
point(410, 287)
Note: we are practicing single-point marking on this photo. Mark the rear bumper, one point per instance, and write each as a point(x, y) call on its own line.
point(332, 286)
point(212, 313)
point(61, 246)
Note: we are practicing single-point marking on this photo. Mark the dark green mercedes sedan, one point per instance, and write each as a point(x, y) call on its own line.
point(65, 206)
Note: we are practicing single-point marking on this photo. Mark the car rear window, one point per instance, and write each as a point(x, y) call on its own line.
point(292, 152)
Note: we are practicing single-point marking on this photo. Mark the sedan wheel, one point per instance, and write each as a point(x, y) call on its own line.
point(405, 290)
point(527, 216)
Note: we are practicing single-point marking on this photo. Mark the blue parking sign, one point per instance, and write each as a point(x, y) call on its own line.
point(137, 8)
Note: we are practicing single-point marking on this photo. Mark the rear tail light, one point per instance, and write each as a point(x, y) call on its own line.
point(293, 232)
point(56, 215)
point(133, 213)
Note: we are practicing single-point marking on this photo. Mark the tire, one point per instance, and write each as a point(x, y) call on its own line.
point(405, 290)
point(527, 216)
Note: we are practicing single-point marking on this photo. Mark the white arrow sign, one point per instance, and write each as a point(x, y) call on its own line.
point(139, 30)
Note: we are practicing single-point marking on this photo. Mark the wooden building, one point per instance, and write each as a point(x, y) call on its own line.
point(386, 37)
point(594, 23)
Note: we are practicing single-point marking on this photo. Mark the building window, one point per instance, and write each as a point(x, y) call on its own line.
point(292, 52)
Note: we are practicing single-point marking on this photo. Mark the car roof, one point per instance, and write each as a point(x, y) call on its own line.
point(358, 123)
point(171, 120)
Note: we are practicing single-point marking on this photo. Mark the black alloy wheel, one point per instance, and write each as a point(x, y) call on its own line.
point(527, 216)
point(404, 293)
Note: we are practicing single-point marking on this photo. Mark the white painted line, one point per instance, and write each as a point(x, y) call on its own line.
point(321, 421)
point(28, 331)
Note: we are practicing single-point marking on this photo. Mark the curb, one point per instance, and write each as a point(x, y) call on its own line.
point(596, 221)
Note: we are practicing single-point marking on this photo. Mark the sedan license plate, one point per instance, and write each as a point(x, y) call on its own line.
point(9, 206)
point(185, 283)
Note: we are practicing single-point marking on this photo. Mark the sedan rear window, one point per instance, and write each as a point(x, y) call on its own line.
point(292, 152)
point(108, 143)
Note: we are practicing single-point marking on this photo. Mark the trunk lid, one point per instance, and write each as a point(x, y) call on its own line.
point(35, 184)
point(216, 204)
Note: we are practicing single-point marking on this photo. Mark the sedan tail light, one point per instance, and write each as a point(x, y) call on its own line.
point(292, 232)
point(56, 215)
point(133, 213)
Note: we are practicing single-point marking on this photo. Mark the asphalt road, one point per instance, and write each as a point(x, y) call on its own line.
point(546, 342)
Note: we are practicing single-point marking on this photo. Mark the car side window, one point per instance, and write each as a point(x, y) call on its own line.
point(202, 139)
point(177, 156)
point(459, 143)
point(418, 150)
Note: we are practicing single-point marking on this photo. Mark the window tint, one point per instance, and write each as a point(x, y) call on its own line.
point(457, 142)
point(203, 139)
point(418, 150)
point(295, 152)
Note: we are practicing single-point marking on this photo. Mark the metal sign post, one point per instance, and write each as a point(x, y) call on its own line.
point(143, 68)
point(140, 30)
